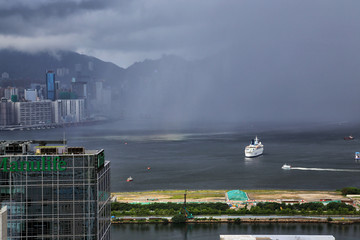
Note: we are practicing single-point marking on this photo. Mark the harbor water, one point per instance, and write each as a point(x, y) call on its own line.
point(214, 159)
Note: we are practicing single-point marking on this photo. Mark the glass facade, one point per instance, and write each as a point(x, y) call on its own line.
point(50, 86)
point(43, 203)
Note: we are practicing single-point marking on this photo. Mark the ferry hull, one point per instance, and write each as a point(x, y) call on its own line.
point(254, 153)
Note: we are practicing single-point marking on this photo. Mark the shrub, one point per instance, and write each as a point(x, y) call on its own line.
point(179, 218)
point(237, 220)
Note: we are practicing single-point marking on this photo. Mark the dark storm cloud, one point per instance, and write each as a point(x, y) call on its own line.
point(18, 16)
point(46, 9)
point(140, 29)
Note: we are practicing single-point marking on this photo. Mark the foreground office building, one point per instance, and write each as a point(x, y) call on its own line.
point(54, 192)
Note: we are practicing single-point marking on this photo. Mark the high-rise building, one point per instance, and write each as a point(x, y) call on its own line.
point(62, 72)
point(33, 113)
point(99, 91)
point(68, 110)
point(10, 91)
point(7, 113)
point(54, 192)
point(50, 85)
point(31, 95)
point(79, 88)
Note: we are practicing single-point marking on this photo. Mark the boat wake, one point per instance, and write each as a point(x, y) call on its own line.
point(324, 169)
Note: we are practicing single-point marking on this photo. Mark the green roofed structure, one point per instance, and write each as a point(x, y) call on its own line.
point(236, 195)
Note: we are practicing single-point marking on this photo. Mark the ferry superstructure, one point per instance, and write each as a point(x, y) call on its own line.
point(254, 149)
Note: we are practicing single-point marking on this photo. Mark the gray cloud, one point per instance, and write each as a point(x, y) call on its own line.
point(127, 31)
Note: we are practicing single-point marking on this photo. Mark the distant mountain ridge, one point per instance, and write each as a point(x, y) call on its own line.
point(232, 86)
point(33, 66)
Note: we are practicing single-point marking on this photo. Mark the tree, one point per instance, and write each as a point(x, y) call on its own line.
point(350, 190)
point(179, 218)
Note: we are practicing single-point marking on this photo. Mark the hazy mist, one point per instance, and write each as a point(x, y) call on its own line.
point(227, 61)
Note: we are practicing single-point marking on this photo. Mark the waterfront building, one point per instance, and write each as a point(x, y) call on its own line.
point(101, 103)
point(68, 110)
point(50, 85)
point(54, 192)
point(7, 113)
point(33, 113)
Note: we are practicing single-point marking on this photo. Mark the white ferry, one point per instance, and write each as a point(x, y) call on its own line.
point(254, 149)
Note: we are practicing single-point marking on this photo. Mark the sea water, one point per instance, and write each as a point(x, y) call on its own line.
point(214, 159)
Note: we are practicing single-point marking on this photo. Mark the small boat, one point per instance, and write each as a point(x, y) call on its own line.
point(148, 168)
point(129, 179)
point(286, 167)
point(349, 137)
point(357, 156)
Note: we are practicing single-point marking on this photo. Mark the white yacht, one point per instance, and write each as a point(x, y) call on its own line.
point(254, 149)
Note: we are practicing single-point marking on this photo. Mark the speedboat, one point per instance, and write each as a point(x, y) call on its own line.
point(349, 137)
point(357, 156)
point(129, 179)
point(286, 167)
point(254, 149)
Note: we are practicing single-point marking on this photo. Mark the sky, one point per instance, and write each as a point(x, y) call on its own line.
point(125, 32)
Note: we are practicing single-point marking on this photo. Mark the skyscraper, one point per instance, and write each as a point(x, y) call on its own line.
point(50, 85)
point(54, 192)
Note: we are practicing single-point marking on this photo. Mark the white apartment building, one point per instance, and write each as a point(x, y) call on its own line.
point(33, 113)
point(68, 110)
point(31, 95)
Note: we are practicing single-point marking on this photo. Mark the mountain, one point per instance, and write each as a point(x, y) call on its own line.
point(32, 67)
point(236, 85)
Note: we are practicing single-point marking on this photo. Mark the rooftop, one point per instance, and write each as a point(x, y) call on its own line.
point(40, 147)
